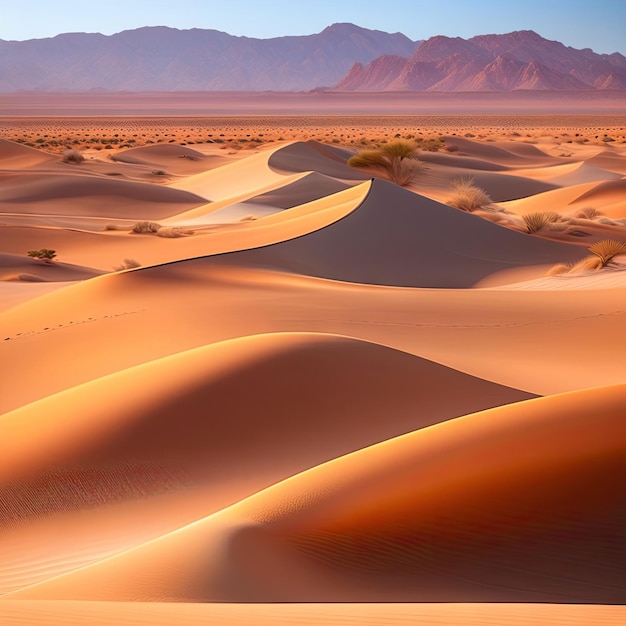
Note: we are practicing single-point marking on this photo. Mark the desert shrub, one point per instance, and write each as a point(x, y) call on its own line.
point(73, 156)
point(559, 270)
point(113, 227)
point(128, 264)
point(607, 249)
point(589, 213)
point(170, 232)
point(397, 160)
point(43, 255)
point(539, 220)
point(159, 173)
point(467, 196)
point(141, 228)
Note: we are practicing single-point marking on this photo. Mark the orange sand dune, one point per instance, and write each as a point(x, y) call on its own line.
point(312, 156)
point(501, 155)
point(80, 194)
point(24, 268)
point(399, 238)
point(174, 159)
point(568, 174)
point(180, 424)
point(56, 613)
point(514, 338)
point(14, 156)
point(607, 196)
point(516, 504)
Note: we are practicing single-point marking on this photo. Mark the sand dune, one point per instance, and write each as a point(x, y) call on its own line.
point(496, 506)
point(14, 156)
point(26, 269)
point(398, 238)
point(325, 389)
point(83, 194)
point(177, 426)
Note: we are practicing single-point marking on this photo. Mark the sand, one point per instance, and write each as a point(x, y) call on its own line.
point(302, 383)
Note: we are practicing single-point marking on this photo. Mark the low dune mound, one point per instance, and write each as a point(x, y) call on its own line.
point(399, 238)
point(66, 194)
point(25, 269)
point(312, 156)
point(609, 160)
point(608, 192)
point(465, 162)
point(15, 156)
point(568, 174)
point(185, 416)
point(173, 158)
point(500, 155)
point(522, 503)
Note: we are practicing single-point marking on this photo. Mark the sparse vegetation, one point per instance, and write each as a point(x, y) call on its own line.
point(128, 264)
point(397, 160)
point(607, 249)
point(589, 213)
point(467, 196)
point(539, 220)
point(141, 228)
point(44, 254)
point(73, 156)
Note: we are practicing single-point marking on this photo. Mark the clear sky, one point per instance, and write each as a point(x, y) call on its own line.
point(596, 24)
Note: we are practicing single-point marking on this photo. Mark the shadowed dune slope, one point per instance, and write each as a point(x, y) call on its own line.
point(522, 503)
point(247, 411)
point(77, 194)
point(398, 238)
point(312, 156)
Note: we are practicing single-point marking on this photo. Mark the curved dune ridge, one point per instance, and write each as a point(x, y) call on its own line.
point(398, 238)
point(515, 504)
point(79, 194)
point(180, 423)
point(16, 156)
point(313, 397)
point(312, 156)
point(24, 268)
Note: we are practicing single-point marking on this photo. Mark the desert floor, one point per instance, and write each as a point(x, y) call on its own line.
point(258, 385)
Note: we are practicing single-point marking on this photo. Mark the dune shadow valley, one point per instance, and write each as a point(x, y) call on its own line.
point(313, 358)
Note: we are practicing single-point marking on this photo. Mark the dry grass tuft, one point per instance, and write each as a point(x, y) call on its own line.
point(73, 156)
point(539, 220)
point(607, 249)
point(128, 264)
point(141, 228)
point(589, 213)
point(396, 160)
point(466, 196)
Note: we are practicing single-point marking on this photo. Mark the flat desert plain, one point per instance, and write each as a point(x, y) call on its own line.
point(257, 384)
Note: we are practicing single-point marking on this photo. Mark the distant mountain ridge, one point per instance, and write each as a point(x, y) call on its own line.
point(521, 60)
point(345, 56)
point(167, 59)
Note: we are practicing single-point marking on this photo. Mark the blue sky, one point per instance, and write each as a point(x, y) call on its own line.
point(596, 24)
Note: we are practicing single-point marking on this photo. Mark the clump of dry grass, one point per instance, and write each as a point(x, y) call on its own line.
point(128, 264)
point(607, 249)
point(73, 156)
point(466, 196)
point(397, 160)
point(539, 220)
point(141, 228)
point(589, 213)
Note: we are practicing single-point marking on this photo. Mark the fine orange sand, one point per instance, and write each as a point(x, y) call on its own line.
point(301, 383)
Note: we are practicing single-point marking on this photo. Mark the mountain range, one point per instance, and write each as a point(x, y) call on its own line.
point(522, 60)
point(342, 57)
point(167, 59)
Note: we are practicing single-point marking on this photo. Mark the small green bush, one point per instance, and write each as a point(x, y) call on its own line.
point(43, 255)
